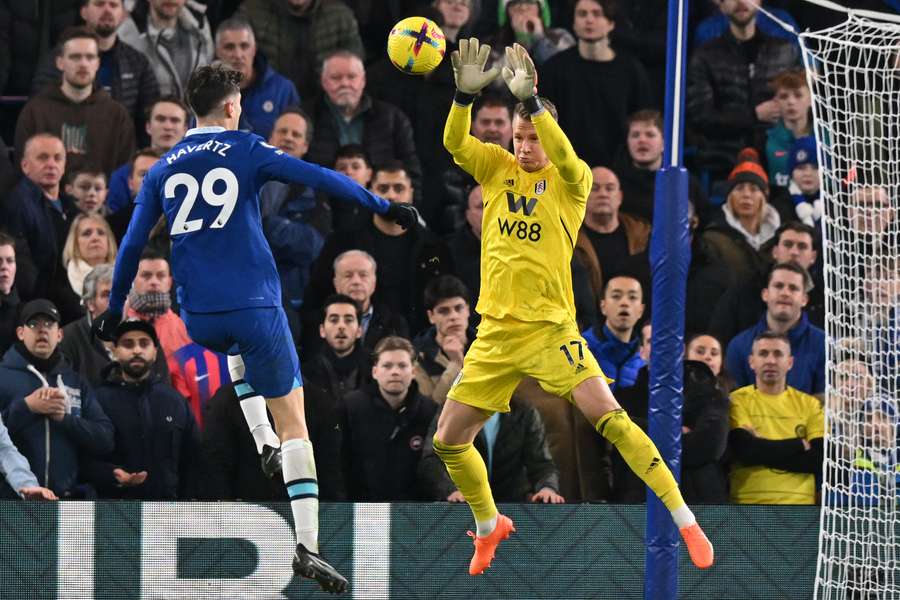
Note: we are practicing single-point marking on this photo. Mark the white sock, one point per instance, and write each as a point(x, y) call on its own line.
point(683, 517)
point(252, 405)
point(486, 528)
point(299, 468)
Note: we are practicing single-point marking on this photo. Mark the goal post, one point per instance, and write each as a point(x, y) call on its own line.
point(853, 70)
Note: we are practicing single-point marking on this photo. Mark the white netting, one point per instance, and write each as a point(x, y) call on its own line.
point(854, 73)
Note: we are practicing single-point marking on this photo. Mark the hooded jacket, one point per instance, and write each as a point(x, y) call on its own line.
point(97, 131)
point(155, 432)
point(53, 448)
point(620, 361)
point(192, 21)
point(264, 100)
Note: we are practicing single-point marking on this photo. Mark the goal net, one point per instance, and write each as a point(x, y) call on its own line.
point(854, 74)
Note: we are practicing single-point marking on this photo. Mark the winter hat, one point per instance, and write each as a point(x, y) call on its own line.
point(748, 170)
point(802, 152)
point(542, 4)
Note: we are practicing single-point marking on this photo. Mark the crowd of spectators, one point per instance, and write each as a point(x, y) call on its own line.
point(382, 315)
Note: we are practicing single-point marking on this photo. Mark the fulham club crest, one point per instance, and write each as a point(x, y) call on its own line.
point(540, 186)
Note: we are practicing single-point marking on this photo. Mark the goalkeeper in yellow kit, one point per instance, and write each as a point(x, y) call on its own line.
point(534, 203)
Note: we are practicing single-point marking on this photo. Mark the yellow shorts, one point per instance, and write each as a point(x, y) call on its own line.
point(506, 350)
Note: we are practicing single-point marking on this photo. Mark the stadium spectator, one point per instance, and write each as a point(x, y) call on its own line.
point(156, 440)
point(594, 87)
point(87, 186)
point(636, 168)
point(803, 166)
point(295, 217)
point(717, 25)
point(137, 167)
point(345, 114)
point(342, 364)
point(125, 73)
point(355, 275)
point(615, 342)
point(351, 160)
point(297, 35)
point(291, 132)
point(527, 22)
point(414, 256)
point(704, 436)
point(38, 217)
point(195, 371)
point(384, 426)
point(609, 236)
point(874, 471)
point(515, 452)
point(870, 212)
point(86, 354)
point(167, 120)
point(16, 479)
point(641, 32)
point(442, 346)
point(776, 431)
point(455, 14)
point(794, 121)
point(90, 243)
point(29, 35)
point(747, 220)
point(9, 295)
point(94, 128)
point(738, 308)
point(728, 100)
point(265, 93)
point(230, 460)
point(52, 415)
point(465, 246)
point(785, 295)
point(175, 37)
point(492, 121)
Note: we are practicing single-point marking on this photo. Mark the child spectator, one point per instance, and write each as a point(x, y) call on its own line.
point(88, 187)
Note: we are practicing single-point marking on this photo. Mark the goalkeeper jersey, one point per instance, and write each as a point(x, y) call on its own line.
point(788, 415)
point(530, 221)
point(208, 187)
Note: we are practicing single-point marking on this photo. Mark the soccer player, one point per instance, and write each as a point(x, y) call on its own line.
point(534, 203)
point(207, 185)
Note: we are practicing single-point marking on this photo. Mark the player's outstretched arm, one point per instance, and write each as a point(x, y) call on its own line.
point(521, 79)
point(147, 210)
point(469, 63)
point(278, 165)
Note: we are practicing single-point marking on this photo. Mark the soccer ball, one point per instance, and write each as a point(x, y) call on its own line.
point(416, 45)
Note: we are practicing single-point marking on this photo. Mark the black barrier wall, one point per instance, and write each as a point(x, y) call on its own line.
point(130, 551)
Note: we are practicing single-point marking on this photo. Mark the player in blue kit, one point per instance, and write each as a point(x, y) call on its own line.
point(228, 287)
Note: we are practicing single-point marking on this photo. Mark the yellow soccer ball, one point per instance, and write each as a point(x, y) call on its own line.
point(416, 45)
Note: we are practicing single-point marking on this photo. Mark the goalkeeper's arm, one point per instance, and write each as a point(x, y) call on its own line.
point(555, 142)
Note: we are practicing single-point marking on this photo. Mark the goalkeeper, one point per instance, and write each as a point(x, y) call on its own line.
point(534, 203)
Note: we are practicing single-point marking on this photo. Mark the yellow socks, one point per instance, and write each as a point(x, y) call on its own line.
point(468, 472)
point(642, 457)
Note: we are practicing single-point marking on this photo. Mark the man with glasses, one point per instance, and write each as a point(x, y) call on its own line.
point(52, 416)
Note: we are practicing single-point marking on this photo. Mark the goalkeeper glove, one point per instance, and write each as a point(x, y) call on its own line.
point(403, 214)
point(519, 73)
point(105, 324)
point(468, 66)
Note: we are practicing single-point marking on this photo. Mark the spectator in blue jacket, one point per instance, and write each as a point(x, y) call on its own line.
point(156, 439)
point(265, 93)
point(715, 25)
point(16, 473)
point(295, 217)
point(52, 416)
point(616, 343)
point(785, 295)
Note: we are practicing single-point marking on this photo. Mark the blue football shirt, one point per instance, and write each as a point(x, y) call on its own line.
point(208, 187)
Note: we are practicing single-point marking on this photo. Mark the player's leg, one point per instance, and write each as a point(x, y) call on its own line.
point(273, 370)
point(483, 387)
point(595, 400)
point(254, 408)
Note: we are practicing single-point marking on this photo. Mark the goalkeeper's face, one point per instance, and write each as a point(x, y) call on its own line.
point(527, 146)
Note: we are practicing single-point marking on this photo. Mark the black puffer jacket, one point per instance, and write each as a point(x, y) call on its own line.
point(134, 84)
point(28, 30)
point(521, 463)
point(723, 91)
